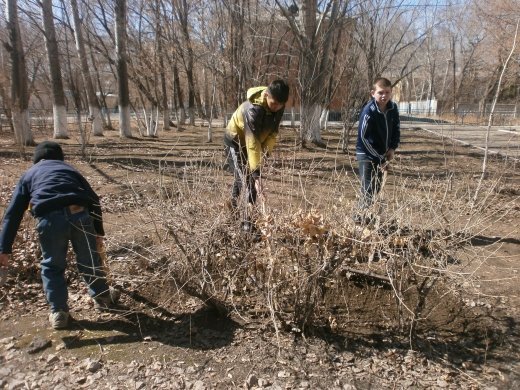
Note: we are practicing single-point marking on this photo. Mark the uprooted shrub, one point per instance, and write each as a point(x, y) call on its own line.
point(298, 268)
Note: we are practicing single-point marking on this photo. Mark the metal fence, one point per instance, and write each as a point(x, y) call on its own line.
point(333, 116)
point(462, 109)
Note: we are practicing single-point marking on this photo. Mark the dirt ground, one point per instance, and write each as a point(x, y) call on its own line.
point(163, 338)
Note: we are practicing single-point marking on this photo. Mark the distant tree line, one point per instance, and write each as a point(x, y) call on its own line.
point(170, 61)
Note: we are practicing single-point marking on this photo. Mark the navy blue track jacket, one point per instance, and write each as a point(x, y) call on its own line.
point(378, 131)
point(47, 186)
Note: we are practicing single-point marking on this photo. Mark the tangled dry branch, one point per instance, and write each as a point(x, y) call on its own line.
point(300, 266)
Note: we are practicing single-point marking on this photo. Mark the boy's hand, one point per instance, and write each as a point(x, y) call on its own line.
point(4, 260)
point(390, 154)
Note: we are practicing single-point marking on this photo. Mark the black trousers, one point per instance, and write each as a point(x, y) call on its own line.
point(243, 179)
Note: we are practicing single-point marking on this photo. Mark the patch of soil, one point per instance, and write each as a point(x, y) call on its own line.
point(467, 336)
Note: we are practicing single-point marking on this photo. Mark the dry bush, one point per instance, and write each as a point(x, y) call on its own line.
point(309, 266)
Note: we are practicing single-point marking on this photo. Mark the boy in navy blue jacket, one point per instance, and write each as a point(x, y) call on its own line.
point(66, 208)
point(378, 137)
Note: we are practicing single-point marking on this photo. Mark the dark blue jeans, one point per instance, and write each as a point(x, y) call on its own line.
point(56, 229)
point(371, 177)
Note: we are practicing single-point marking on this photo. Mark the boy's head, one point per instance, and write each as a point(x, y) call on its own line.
point(277, 95)
point(48, 150)
point(382, 91)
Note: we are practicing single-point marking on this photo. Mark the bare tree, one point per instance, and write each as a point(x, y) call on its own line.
point(177, 96)
point(144, 69)
point(213, 27)
point(162, 69)
point(4, 87)
point(58, 95)
point(314, 40)
point(496, 23)
point(19, 81)
point(495, 99)
point(170, 60)
point(329, 50)
point(122, 68)
point(93, 103)
point(460, 42)
point(238, 53)
point(181, 11)
point(75, 92)
point(388, 37)
point(99, 36)
point(107, 121)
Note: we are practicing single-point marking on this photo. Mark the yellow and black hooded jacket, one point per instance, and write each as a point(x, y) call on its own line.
point(254, 128)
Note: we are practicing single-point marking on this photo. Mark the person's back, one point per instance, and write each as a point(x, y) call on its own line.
point(66, 210)
point(53, 184)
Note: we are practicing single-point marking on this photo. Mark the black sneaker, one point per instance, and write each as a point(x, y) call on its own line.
point(107, 300)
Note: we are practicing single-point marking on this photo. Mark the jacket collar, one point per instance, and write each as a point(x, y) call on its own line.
point(390, 106)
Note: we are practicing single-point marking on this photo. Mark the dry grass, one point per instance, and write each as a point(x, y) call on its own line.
point(414, 260)
point(412, 269)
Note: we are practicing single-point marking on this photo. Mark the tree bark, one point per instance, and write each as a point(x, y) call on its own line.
point(162, 71)
point(93, 103)
point(178, 95)
point(58, 95)
point(181, 12)
point(105, 110)
point(19, 80)
point(238, 70)
point(122, 69)
point(314, 40)
point(491, 114)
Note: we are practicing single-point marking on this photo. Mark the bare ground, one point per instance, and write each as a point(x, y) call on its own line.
point(163, 338)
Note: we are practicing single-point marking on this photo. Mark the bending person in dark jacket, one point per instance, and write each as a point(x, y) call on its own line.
point(378, 137)
point(66, 208)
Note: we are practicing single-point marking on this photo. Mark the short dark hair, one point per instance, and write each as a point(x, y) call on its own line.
point(48, 150)
point(279, 90)
point(382, 82)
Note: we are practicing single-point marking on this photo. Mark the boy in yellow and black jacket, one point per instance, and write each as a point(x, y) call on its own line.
point(251, 133)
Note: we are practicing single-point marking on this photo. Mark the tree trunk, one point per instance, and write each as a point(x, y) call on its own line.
point(324, 119)
point(181, 12)
point(310, 130)
point(4, 95)
point(58, 96)
point(191, 91)
point(164, 92)
point(105, 110)
point(122, 70)
point(178, 95)
point(205, 89)
point(210, 114)
point(19, 81)
point(76, 97)
point(314, 42)
point(160, 73)
point(93, 103)
point(491, 114)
